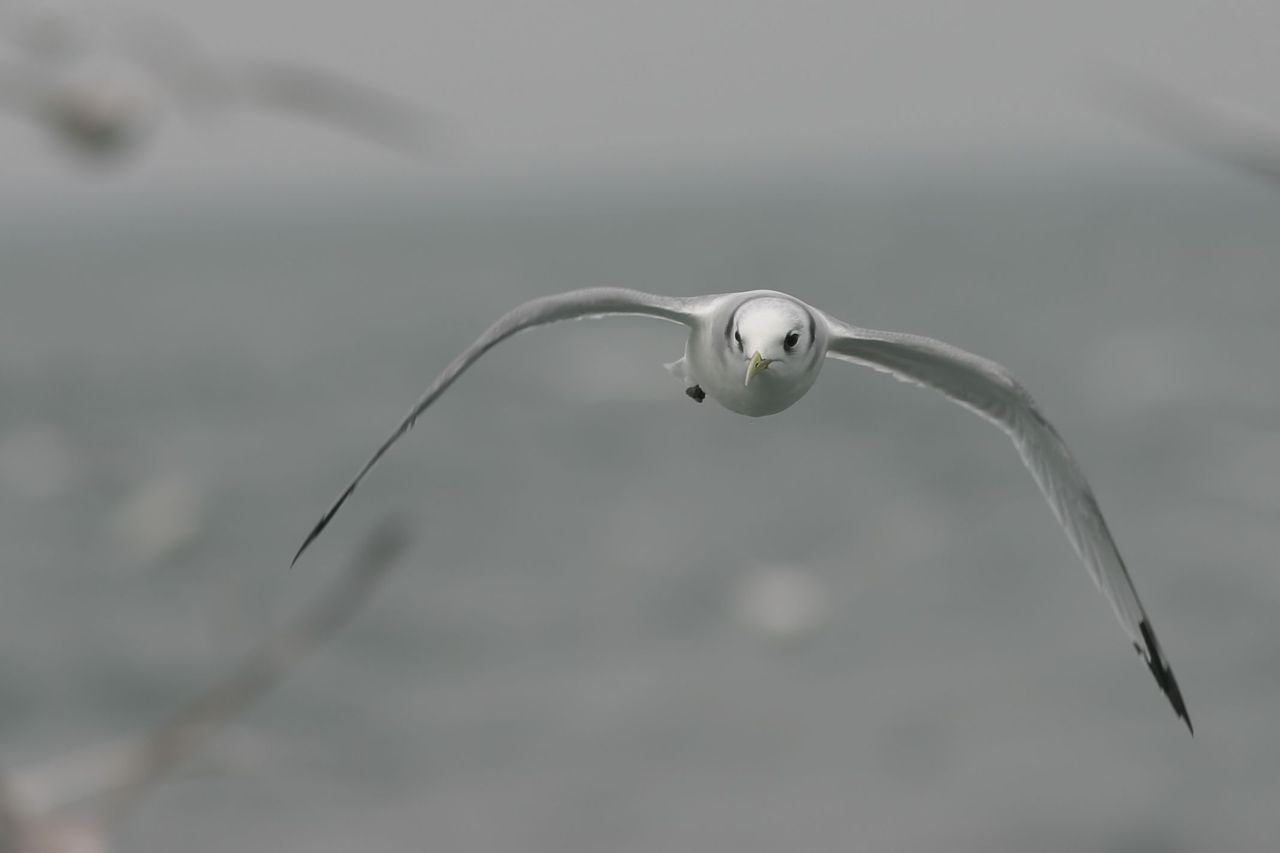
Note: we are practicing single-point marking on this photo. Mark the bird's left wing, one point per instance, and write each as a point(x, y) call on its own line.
point(574, 305)
point(987, 389)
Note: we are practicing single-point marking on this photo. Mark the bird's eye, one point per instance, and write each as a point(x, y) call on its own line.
point(790, 341)
point(737, 337)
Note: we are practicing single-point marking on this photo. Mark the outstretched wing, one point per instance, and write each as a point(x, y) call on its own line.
point(987, 389)
point(324, 97)
point(1242, 138)
point(108, 780)
point(201, 82)
point(576, 304)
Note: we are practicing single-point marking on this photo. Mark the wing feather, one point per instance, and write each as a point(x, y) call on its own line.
point(1245, 139)
point(576, 304)
point(320, 96)
point(988, 390)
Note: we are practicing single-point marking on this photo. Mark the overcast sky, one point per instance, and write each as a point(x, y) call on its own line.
point(565, 87)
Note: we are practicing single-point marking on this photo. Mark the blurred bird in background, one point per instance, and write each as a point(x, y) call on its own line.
point(70, 805)
point(103, 87)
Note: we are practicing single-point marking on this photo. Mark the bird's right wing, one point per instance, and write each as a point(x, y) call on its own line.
point(574, 305)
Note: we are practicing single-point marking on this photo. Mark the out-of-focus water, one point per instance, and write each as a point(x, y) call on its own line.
point(633, 623)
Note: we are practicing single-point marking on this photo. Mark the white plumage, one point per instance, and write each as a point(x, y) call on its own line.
point(758, 352)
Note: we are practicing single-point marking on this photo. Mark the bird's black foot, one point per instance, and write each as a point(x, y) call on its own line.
point(696, 393)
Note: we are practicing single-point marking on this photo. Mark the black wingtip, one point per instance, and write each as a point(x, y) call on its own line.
point(1163, 674)
point(315, 531)
point(311, 537)
point(298, 552)
point(328, 516)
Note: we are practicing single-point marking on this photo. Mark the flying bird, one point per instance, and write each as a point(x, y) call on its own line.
point(104, 91)
point(70, 805)
point(756, 353)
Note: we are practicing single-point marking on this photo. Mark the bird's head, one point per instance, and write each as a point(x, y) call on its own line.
point(101, 115)
point(774, 338)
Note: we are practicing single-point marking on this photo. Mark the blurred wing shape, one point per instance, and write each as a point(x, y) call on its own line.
point(1245, 139)
point(574, 305)
point(200, 82)
point(329, 99)
point(986, 389)
point(45, 33)
point(71, 780)
point(174, 58)
point(110, 779)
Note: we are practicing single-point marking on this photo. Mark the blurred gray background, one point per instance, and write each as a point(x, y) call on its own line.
point(598, 643)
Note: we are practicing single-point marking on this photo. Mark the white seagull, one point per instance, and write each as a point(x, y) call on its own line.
point(758, 352)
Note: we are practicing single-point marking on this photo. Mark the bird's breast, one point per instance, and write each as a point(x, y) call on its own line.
point(757, 399)
point(722, 375)
point(766, 394)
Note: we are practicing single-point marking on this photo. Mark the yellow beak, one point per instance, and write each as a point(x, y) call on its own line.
point(758, 364)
